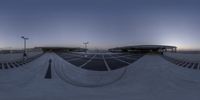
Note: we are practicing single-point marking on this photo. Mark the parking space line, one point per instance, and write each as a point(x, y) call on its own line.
point(88, 61)
point(67, 57)
point(131, 58)
point(73, 59)
point(11, 66)
point(73, 55)
point(182, 63)
point(128, 56)
point(107, 66)
point(15, 64)
point(121, 60)
point(193, 65)
point(118, 56)
point(190, 65)
point(185, 65)
point(177, 62)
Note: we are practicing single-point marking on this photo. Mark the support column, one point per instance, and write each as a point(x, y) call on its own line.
point(175, 49)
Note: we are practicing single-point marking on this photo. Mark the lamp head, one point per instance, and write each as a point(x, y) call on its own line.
point(24, 38)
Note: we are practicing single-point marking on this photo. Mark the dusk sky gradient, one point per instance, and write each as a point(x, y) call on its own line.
point(104, 23)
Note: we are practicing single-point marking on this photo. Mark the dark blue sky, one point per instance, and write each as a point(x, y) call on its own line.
point(104, 23)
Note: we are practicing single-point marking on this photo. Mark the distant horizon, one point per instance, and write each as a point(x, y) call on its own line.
point(11, 48)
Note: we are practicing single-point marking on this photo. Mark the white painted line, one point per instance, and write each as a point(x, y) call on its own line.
point(87, 61)
point(67, 56)
point(189, 66)
point(193, 66)
point(130, 58)
point(118, 56)
point(72, 55)
point(182, 63)
point(74, 59)
point(121, 60)
point(14, 63)
point(107, 66)
point(186, 64)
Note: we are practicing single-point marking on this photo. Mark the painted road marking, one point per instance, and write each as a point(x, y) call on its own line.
point(107, 66)
point(87, 61)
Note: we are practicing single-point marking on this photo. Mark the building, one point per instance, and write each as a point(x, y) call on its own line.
point(60, 49)
point(145, 49)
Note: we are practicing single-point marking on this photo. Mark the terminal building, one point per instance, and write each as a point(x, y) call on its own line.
point(61, 49)
point(145, 49)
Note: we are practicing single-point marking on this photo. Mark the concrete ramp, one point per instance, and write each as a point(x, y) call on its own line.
point(86, 78)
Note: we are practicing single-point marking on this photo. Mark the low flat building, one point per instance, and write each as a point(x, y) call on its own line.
point(145, 49)
point(61, 49)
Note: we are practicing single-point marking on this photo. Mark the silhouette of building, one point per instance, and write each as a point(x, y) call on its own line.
point(60, 49)
point(145, 49)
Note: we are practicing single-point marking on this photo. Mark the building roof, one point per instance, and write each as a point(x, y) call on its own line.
point(59, 47)
point(146, 47)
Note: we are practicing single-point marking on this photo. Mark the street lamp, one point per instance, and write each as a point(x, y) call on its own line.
point(85, 43)
point(25, 39)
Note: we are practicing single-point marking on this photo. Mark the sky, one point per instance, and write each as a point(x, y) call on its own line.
point(103, 23)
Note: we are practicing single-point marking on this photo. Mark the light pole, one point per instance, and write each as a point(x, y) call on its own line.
point(25, 39)
point(85, 43)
